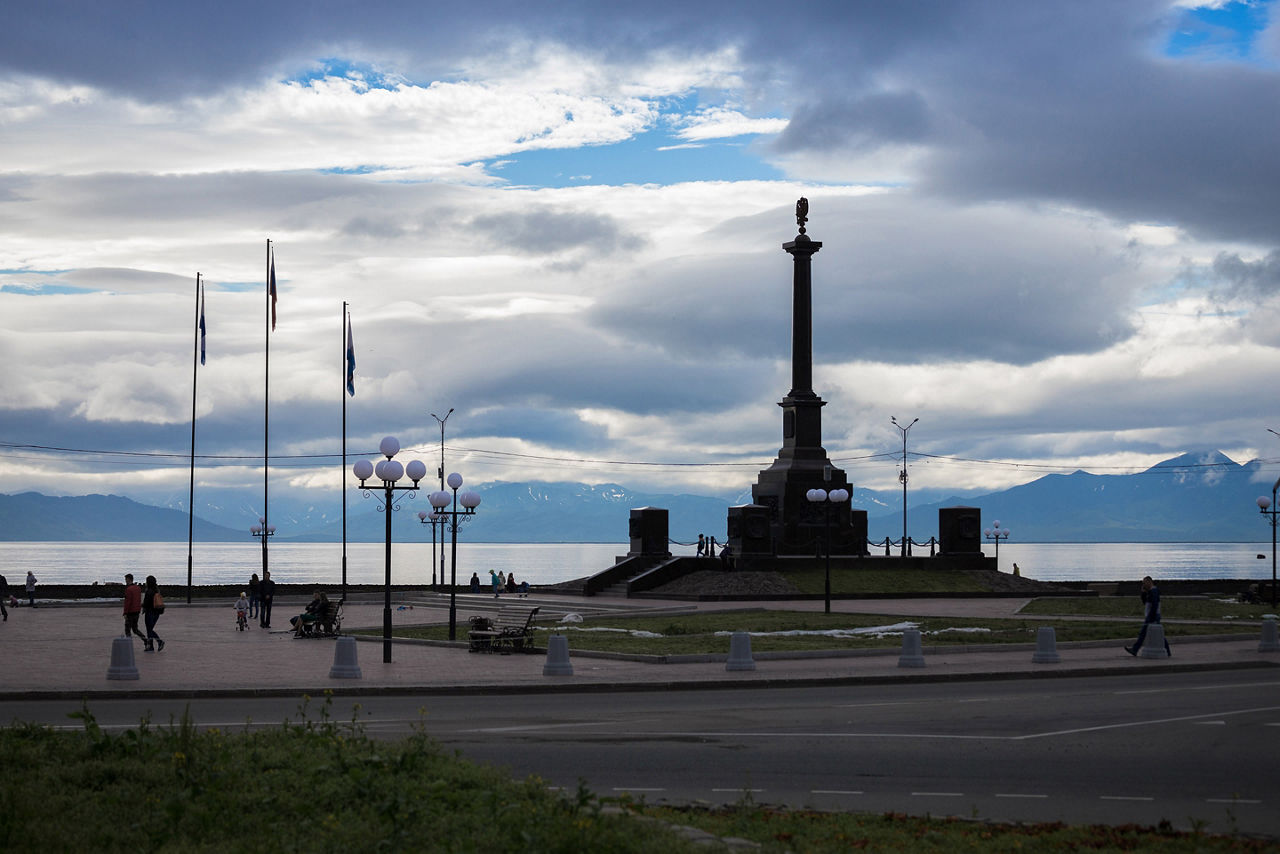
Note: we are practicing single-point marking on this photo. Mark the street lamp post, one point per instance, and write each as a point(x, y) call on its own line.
point(433, 519)
point(388, 471)
point(995, 532)
point(829, 499)
point(440, 474)
point(261, 531)
point(902, 476)
point(470, 501)
point(1270, 508)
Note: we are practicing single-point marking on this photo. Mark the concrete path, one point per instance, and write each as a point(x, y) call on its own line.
point(64, 649)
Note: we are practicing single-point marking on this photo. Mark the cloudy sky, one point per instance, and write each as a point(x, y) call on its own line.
point(1051, 233)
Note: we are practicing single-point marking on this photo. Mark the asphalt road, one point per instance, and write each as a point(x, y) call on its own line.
point(1195, 749)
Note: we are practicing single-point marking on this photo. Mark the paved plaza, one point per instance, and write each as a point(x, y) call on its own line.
point(65, 649)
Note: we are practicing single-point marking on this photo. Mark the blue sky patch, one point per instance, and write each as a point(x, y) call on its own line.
point(1226, 33)
point(654, 157)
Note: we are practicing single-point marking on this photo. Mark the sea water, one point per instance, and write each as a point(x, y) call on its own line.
point(545, 563)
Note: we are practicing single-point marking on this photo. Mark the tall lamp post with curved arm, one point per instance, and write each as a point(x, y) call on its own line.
point(389, 471)
point(902, 476)
point(470, 501)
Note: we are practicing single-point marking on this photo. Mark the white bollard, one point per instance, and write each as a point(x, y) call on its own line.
point(122, 663)
point(1270, 639)
point(1153, 644)
point(1046, 646)
point(345, 659)
point(912, 651)
point(740, 652)
point(557, 657)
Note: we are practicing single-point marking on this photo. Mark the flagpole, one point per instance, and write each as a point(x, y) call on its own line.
point(266, 413)
point(191, 496)
point(346, 325)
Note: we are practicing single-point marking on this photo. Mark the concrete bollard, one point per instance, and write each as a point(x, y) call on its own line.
point(122, 663)
point(1270, 639)
point(1046, 646)
point(346, 663)
point(740, 653)
point(557, 657)
point(1153, 644)
point(912, 650)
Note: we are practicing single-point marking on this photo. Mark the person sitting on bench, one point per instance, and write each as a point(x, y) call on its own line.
point(314, 613)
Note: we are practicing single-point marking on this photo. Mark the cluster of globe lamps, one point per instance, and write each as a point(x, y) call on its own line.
point(390, 471)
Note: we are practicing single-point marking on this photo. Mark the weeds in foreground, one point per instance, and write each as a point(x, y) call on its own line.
point(314, 784)
point(819, 832)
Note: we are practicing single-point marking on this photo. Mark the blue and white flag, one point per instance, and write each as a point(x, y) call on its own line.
point(202, 327)
point(351, 361)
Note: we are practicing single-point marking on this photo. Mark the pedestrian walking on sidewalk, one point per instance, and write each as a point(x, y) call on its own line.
point(152, 608)
point(132, 610)
point(1151, 602)
point(31, 589)
point(493, 581)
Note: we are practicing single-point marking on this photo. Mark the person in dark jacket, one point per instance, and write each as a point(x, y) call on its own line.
point(266, 594)
point(152, 608)
point(1151, 602)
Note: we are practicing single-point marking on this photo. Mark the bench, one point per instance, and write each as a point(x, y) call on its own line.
point(326, 625)
point(510, 631)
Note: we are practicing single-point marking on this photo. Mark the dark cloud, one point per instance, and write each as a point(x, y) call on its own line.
point(554, 427)
point(545, 232)
point(1261, 277)
point(858, 124)
point(976, 283)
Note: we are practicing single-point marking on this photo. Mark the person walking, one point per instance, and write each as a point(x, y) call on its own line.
point(31, 589)
point(132, 610)
point(1151, 601)
point(4, 597)
point(255, 596)
point(702, 545)
point(152, 608)
point(493, 582)
point(266, 595)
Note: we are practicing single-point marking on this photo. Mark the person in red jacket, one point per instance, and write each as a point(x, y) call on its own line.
point(133, 608)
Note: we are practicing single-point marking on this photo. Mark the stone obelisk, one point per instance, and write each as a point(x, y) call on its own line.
point(796, 524)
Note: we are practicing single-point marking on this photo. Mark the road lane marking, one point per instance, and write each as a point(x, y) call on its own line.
point(1211, 723)
point(1196, 688)
point(536, 727)
point(638, 789)
point(1179, 719)
point(937, 794)
point(1018, 795)
point(1124, 798)
point(834, 792)
point(738, 789)
point(1231, 801)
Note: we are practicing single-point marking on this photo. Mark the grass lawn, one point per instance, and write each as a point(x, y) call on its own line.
point(1171, 608)
point(709, 632)
point(864, 581)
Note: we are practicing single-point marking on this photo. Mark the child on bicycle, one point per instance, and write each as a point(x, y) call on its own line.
point(242, 612)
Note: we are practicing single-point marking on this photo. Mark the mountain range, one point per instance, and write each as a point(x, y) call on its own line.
point(1197, 497)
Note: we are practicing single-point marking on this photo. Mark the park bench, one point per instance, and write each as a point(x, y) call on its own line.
point(328, 624)
point(511, 630)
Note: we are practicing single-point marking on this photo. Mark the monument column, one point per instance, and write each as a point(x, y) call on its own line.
point(802, 462)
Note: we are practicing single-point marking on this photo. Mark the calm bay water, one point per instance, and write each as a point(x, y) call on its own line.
point(543, 563)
